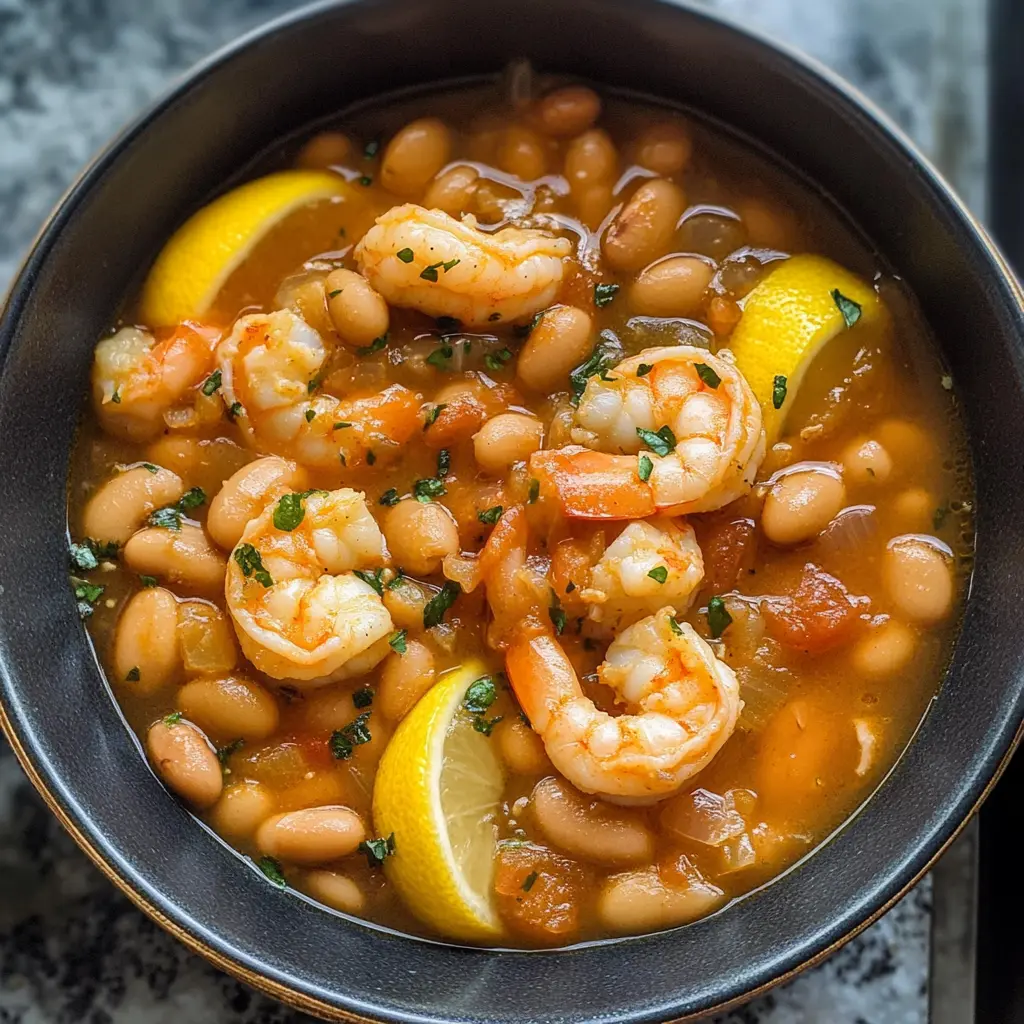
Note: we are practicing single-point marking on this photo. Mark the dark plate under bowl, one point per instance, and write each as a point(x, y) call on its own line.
point(68, 732)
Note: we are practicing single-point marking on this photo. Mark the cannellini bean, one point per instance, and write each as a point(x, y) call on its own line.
point(914, 509)
point(593, 203)
point(230, 707)
point(242, 808)
point(206, 638)
point(336, 890)
point(587, 828)
point(568, 111)
point(182, 556)
point(506, 439)
point(644, 227)
point(591, 158)
point(673, 286)
point(800, 505)
point(185, 759)
point(122, 504)
point(452, 191)
point(665, 148)
point(247, 493)
point(358, 312)
point(404, 678)
point(327, 149)
point(419, 535)
point(522, 153)
point(559, 343)
point(316, 835)
point(918, 577)
point(866, 461)
point(146, 641)
point(908, 444)
point(639, 901)
point(414, 156)
point(767, 226)
point(884, 651)
point(521, 748)
point(405, 604)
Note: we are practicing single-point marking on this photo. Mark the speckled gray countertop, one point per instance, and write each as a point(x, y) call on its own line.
point(72, 949)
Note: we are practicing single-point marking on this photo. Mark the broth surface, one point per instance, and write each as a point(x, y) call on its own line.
point(836, 644)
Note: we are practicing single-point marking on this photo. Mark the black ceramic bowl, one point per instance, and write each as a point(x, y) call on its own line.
point(66, 728)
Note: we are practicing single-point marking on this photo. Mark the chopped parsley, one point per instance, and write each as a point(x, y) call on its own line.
point(147, 581)
point(225, 752)
point(429, 489)
point(310, 415)
point(331, 295)
point(480, 695)
point(149, 467)
point(398, 581)
point(134, 675)
point(212, 383)
point(389, 497)
point(440, 356)
point(169, 518)
point(707, 374)
point(234, 411)
point(365, 180)
point(315, 382)
point(851, 310)
point(644, 468)
point(719, 618)
point(372, 579)
point(495, 361)
point(251, 564)
point(192, 498)
point(676, 628)
point(659, 574)
point(491, 515)
point(529, 880)
point(363, 698)
point(289, 512)
point(375, 346)
point(661, 442)
point(643, 369)
point(397, 642)
point(486, 725)
point(599, 361)
point(557, 614)
point(116, 397)
point(272, 869)
point(778, 391)
point(444, 463)
point(434, 610)
point(83, 557)
point(430, 273)
point(377, 849)
point(371, 458)
point(431, 417)
point(604, 293)
point(570, 587)
point(343, 741)
point(494, 316)
point(371, 149)
point(406, 255)
point(534, 492)
point(173, 718)
point(341, 425)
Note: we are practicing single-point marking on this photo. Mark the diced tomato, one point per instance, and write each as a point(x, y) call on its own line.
point(818, 615)
point(729, 547)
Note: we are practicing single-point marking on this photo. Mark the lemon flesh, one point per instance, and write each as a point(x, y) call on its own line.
point(787, 320)
point(438, 789)
point(203, 253)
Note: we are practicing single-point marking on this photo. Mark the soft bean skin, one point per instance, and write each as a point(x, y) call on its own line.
point(568, 111)
point(420, 534)
point(313, 836)
point(672, 287)
point(121, 505)
point(186, 761)
point(336, 890)
point(242, 808)
point(919, 580)
point(146, 653)
point(589, 829)
point(561, 341)
point(230, 707)
point(644, 227)
point(506, 439)
point(405, 678)
point(414, 156)
point(358, 312)
point(452, 191)
point(521, 748)
point(665, 148)
point(182, 556)
point(800, 505)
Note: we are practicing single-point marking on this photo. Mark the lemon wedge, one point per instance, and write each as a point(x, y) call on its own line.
point(787, 320)
point(202, 254)
point(438, 789)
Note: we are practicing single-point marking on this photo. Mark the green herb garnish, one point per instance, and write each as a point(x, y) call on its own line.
point(851, 310)
point(659, 574)
point(134, 675)
point(365, 180)
point(661, 442)
point(604, 293)
point(524, 330)
point(234, 411)
point(212, 383)
point(147, 581)
point(429, 489)
point(272, 869)
point(377, 849)
point(389, 497)
point(480, 695)
point(778, 391)
point(173, 718)
point(371, 148)
point(225, 752)
point(397, 641)
point(676, 628)
point(491, 515)
point(375, 346)
point(289, 512)
point(192, 498)
point(149, 467)
point(251, 564)
point(434, 610)
point(363, 698)
point(406, 255)
point(440, 356)
point(168, 518)
point(444, 463)
point(372, 579)
point(644, 468)
point(557, 614)
point(707, 374)
point(495, 361)
point(431, 418)
point(343, 741)
point(529, 880)
point(718, 617)
point(83, 557)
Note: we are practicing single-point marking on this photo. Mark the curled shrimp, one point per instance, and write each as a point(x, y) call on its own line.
point(137, 380)
point(426, 260)
point(270, 367)
point(708, 446)
point(681, 702)
point(648, 566)
point(299, 610)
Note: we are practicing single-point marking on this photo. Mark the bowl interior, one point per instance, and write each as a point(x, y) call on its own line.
point(115, 220)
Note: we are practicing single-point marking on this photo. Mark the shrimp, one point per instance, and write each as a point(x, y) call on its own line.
point(693, 411)
point(270, 366)
point(681, 702)
point(138, 380)
point(649, 565)
point(300, 611)
point(426, 260)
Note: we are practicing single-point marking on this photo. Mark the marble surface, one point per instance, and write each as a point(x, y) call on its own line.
point(72, 949)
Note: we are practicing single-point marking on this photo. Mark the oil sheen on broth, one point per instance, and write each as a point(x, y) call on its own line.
point(266, 509)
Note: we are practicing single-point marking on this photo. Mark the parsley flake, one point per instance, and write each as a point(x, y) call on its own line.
point(147, 581)
point(529, 880)
point(489, 516)
point(557, 614)
point(251, 564)
point(212, 383)
point(372, 579)
point(429, 489)
point(375, 346)
point(134, 675)
point(534, 493)
point(644, 468)
point(675, 627)
point(851, 310)
point(604, 293)
point(289, 512)
point(310, 415)
point(480, 695)
point(173, 718)
point(397, 641)
point(371, 149)
point(272, 869)
point(431, 417)
point(234, 411)
point(377, 849)
point(389, 497)
point(719, 618)
point(83, 557)
point(225, 752)
point(168, 518)
point(440, 356)
point(661, 442)
point(778, 391)
point(643, 369)
point(363, 698)
point(444, 463)
point(343, 741)
point(406, 255)
point(434, 610)
point(707, 374)
point(659, 574)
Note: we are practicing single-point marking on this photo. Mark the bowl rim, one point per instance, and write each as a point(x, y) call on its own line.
point(64, 807)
